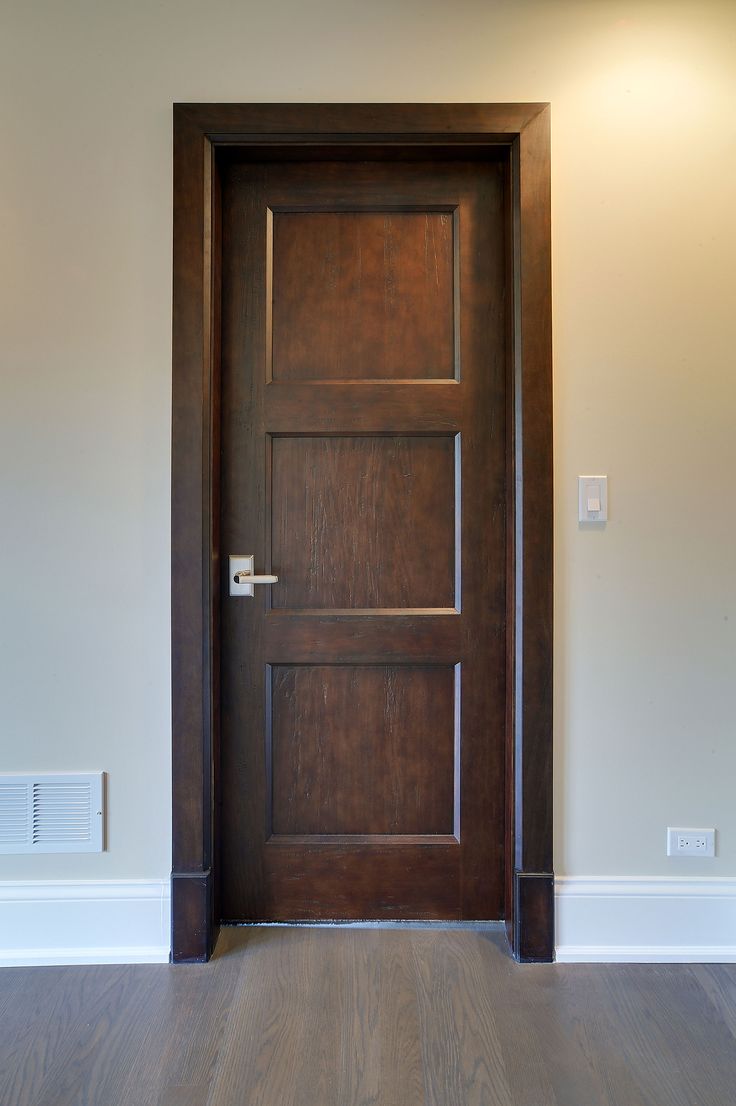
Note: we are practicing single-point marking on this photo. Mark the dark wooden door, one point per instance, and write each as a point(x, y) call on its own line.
point(364, 325)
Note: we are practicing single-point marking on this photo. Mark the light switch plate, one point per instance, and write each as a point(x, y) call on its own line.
point(592, 499)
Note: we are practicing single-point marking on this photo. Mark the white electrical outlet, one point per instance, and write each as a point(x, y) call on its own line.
point(691, 842)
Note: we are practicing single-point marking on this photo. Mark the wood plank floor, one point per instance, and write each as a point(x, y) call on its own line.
point(368, 1017)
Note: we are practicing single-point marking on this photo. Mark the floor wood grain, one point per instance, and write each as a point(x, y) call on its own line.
point(368, 1017)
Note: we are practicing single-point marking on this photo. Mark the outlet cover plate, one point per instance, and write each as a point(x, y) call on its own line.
point(690, 842)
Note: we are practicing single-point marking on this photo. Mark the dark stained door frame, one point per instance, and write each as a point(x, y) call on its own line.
point(204, 134)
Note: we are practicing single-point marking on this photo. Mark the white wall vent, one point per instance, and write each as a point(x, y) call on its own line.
point(60, 813)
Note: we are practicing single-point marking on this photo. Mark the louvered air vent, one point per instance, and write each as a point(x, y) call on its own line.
point(51, 814)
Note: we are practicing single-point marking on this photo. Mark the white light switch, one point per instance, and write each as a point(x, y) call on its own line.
point(592, 498)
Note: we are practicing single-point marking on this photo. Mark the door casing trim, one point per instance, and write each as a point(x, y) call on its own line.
point(200, 131)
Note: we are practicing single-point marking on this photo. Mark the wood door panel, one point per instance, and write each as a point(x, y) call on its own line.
point(312, 879)
point(363, 522)
point(363, 704)
point(363, 637)
point(361, 295)
point(328, 408)
point(361, 749)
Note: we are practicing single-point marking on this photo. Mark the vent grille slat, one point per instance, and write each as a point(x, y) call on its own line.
point(51, 813)
point(39, 838)
point(59, 814)
point(78, 825)
point(14, 810)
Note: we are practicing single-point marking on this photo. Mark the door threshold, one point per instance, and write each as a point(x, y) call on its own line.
point(434, 923)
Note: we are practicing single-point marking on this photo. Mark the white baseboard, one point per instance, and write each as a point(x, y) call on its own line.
point(609, 919)
point(664, 919)
point(84, 922)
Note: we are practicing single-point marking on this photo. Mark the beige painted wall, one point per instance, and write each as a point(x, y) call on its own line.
point(644, 187)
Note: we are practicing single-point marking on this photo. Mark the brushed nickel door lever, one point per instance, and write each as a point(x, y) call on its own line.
point(242, 577)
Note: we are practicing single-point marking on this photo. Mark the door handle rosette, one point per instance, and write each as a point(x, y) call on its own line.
point(242, 576)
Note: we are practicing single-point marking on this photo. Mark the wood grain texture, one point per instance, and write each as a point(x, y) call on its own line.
point(275, 125)
point(78, 1019)
point(535, 899)
point(197, 1013)
point(372, 535)
point(191, 901)
point(363, 749)
point(363, 521)
point(366, 637)
point(237, 133)
point(190, 520)
point(314, 878)
point(363, 295)
point(534, 507)
point(437, 406)
point(359, 1017)
point(447, 994)
point(194, 531)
